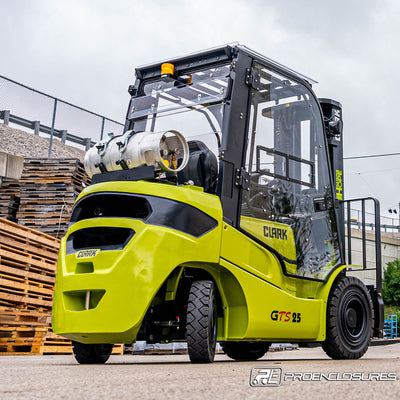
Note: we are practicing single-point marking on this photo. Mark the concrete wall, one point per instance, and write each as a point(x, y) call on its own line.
point(390, 251)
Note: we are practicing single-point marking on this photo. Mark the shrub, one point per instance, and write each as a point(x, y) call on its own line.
point(391, 283)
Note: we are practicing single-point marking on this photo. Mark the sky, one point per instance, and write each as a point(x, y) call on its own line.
point(85, 52)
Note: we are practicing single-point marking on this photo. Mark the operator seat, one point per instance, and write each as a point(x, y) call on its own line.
point(202, 167)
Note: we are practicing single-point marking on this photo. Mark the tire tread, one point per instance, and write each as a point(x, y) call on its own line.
point(91, 353)
point(333, 344)
point(201, 298)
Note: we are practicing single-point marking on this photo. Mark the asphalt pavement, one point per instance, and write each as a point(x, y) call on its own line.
point(306, 373)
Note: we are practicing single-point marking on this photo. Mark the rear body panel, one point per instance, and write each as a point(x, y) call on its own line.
point(132, 276)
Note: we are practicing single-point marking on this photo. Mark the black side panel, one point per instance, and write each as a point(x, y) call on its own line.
point(234, 142)
point(179, 216)
point(150, 209)
point(110, 205)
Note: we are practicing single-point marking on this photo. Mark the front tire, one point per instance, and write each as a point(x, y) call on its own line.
point(91, 353)
point(245, 351)
point(201, 322)
point(349, 319)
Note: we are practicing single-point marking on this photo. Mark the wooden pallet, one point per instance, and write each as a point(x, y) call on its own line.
point(26, 274)
point(22, 234)
point(24, 258)
point(25, 294)
point(21, 331)
point(53, 344)
point(16, 317)
point(21, 339)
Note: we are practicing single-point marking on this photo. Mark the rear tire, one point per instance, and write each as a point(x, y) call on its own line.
point(91, 353)
point(245, 351)
point(201, 322)
point(349, 319)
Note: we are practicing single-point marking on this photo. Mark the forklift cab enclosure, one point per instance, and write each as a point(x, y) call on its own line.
point(215, 217)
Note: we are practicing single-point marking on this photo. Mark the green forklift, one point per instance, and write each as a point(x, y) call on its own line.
point(217, 216)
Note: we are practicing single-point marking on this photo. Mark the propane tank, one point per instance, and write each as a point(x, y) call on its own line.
point(167, 151)
point(93, 161)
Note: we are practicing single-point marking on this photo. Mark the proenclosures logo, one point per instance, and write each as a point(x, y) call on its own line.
point(274, 376)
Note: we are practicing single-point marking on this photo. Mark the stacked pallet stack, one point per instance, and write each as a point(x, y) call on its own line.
point(27, 266)
point(48, 189)
point(28, 261)
point(27, 273)
point(9, 199)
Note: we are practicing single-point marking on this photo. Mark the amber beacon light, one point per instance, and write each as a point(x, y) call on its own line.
point(167, 69)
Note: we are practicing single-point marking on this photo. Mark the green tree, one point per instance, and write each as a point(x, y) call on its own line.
point(391, 283)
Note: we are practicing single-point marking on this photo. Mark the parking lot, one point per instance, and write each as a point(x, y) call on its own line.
point(174, 377)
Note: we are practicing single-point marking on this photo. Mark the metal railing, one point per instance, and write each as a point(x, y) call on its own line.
point(24, 106)
point(377, 234)
point(387, 224)
point(37, 127)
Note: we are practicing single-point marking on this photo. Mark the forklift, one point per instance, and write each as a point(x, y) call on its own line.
point(217, 216)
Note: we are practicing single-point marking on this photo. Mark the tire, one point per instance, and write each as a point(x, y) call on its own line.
point(245, 351)
point(91, 353)
point(201, 322)
point(349, 320)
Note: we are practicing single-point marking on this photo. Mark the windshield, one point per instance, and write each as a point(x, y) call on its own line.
point(193, 107)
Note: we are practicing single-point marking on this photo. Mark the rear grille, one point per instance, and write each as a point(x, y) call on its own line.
point(103, 238)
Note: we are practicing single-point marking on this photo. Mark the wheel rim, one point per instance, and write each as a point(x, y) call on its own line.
point(353, 319)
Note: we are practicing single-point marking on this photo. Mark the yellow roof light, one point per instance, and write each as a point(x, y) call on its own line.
point(167, 69)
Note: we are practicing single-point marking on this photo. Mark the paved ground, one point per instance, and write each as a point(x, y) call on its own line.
point(173, 377)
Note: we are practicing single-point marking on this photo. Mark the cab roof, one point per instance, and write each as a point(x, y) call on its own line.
point(216, 56)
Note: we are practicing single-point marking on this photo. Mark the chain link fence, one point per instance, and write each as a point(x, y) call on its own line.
point(25, 108)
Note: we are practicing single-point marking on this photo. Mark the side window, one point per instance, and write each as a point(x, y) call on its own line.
point(289, 205)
